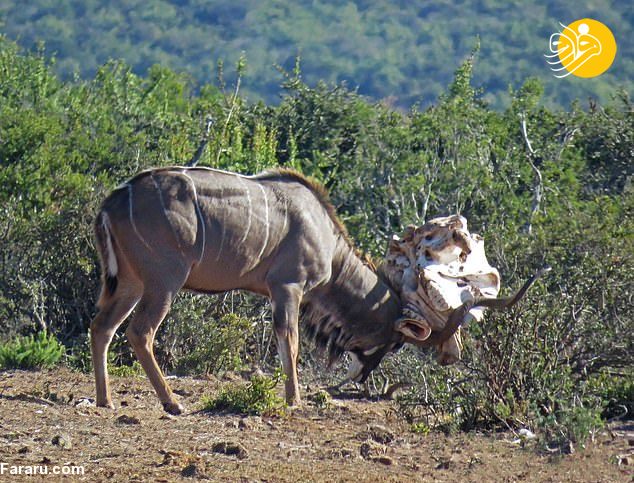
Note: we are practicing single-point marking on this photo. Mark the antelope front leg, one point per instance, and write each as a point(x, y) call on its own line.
point(285, 301)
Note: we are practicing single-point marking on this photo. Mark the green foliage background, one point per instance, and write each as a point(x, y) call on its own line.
point(559, 361)
point(390, 49)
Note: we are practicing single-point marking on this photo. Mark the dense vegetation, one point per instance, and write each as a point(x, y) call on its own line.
point(401, 51)
point(559, 362)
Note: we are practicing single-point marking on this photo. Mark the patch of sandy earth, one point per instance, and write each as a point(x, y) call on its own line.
point(41, 423)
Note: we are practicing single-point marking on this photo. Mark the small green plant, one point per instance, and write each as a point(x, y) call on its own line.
point(420, 428)
point(126, 371)
point(31, 352)
point(616, 390)
point(258, 396)
point(572, 425)
point(322, 399)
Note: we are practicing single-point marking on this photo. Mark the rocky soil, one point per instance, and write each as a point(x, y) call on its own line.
point(48, 419)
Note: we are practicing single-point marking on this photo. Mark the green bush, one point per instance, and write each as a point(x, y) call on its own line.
point(258, 396)
point(31, 352)
point(615, 390)
point(132, 370)
point(202, 343)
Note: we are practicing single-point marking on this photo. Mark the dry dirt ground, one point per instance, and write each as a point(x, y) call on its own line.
point(46, 420)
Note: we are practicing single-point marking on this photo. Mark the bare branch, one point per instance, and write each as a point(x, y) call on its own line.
point(538, 185)
point(203, 143)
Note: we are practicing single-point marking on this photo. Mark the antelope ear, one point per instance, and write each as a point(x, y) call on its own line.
point(415, 330)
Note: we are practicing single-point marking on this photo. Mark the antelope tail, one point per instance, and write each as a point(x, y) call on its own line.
point(105, 248)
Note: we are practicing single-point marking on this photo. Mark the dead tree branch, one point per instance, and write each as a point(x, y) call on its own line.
point(538, 186)
point(203, 143)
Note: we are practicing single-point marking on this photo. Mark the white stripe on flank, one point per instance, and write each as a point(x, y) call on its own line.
point(111, 258)
point(200, 217)
point(246, 233)
point(222, 227)
point(285, 217)
point(160, 195)
point(132, 218)
point(266, 223)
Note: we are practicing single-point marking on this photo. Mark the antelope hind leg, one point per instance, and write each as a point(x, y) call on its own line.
point(112, 313)
point(141, 331)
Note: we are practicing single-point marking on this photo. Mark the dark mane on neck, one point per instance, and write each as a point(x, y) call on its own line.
point(320, 192)
point(341, 318)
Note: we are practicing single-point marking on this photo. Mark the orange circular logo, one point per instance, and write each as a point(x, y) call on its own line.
point(584, 48)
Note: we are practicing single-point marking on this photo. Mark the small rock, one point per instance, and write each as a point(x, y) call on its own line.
point(624, 459)
point(346, 452)
point(381, 434)
point(443, 465)
point(179, 458)
point(474, 460)
point(125, 419)
point(62, 440)
point(369, 449)
point(230, 449)
point(384, 460)
point(444, 462)
point(85, 402)
point(569, 448)
point(189, 471)
point(526, 433)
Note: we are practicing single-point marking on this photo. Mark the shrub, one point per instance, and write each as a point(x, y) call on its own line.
point(132, 370)
point(322, 399)
point(615, 390)
point(204, 344)
point(258, 396)
point(31, 352)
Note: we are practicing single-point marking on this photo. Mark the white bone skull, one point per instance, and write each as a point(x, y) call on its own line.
point(437, 267)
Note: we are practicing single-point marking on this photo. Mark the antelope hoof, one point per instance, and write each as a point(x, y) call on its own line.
point(173, 408)
point(294, 402)
point(105, 404)
point(447, 359)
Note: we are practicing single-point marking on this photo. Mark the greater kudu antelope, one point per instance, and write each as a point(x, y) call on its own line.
point(275, 234)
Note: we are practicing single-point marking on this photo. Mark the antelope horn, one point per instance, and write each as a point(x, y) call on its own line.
point(457, 316)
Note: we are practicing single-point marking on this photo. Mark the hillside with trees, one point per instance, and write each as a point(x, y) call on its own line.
point(403, 52)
